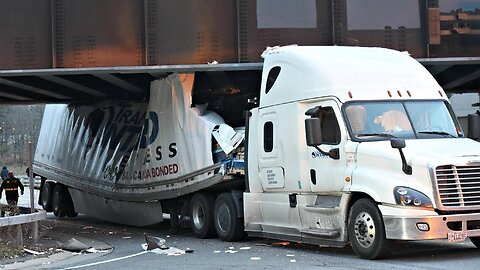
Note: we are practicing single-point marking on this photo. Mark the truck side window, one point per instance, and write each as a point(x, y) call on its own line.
point(272, 78)
point(268, 137)
point(330, 128)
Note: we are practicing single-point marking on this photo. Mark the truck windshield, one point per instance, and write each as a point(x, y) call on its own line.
point(402, 119)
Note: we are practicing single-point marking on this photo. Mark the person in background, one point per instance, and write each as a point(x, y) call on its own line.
point(11, 185)
point(4, 173)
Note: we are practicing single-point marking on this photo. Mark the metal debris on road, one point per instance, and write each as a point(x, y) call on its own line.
point(154, 242)
point(74, 245)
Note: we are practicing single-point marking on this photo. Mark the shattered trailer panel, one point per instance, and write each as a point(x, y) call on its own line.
point(103, 150)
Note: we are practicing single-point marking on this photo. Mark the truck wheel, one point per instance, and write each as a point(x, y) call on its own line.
point(367, 231)
point(475, 241)
point(201, 215)
point(47, 196)
point(62, 204)
point(228, 225)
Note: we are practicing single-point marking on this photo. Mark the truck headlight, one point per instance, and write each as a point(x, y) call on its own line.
point(411, 197)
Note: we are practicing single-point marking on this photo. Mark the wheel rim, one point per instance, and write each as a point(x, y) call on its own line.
point(223, 218)
point(364, 229)
point(198, 214)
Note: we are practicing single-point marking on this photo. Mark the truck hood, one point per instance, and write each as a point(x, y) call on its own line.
point(378, 167)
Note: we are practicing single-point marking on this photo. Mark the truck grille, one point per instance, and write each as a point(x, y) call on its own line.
point(458, 186)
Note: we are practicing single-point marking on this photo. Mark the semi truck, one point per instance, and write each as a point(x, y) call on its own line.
point(341, 145)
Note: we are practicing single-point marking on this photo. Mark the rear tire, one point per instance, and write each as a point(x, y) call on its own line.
point(47, 191)
point(228, 225)
point(62, 204)
point(201, 215)
point(367, 231)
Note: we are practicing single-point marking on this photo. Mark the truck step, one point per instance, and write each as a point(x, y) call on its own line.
point(331, 233)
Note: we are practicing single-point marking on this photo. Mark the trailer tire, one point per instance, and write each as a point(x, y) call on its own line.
point(201, 215)
point(62, 204)
point(366, 230)
point(228, 225)
point(47, 191)
point(475, 241)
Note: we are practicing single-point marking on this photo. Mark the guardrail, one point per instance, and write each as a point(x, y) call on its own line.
point(23, 217)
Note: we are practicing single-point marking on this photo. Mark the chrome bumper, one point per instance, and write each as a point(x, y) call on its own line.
point(405, 228)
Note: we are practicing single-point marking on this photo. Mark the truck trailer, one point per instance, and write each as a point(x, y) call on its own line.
point(341, 145)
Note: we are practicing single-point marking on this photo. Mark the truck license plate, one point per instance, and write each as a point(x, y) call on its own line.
point(457, 236)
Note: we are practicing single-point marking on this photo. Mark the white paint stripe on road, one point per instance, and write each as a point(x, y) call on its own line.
point(108, 261)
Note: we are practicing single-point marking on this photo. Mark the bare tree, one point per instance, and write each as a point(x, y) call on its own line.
point(19, 124)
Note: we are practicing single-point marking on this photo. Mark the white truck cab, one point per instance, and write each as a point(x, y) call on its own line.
point(357, 145)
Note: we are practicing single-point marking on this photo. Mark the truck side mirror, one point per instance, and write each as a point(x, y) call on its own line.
point(399, 144)
point(313, 130)
point(473, 126)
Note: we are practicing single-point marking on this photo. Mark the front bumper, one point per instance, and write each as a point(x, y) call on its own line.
point(440, 226)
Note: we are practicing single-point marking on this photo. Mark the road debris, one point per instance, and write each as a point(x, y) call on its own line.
point(33, 252)
point(281, 244)
point(255, 258)
point(292, 261)
point(93, 250)
point(74, 245)
point(157, 245)
point(154, 242)
point(169, 251)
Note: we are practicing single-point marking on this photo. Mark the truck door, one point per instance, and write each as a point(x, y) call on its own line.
point(328, 174)
point(279, 216)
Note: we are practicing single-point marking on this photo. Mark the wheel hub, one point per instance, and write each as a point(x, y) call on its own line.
point(364, 229)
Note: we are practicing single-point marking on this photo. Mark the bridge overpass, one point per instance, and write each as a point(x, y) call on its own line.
point(74, 51)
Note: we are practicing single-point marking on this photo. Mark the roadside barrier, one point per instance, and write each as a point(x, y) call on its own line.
point(17, 216)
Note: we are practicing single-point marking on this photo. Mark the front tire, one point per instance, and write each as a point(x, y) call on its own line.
point(228, 225)
point(201, 215)
point(366, 230)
